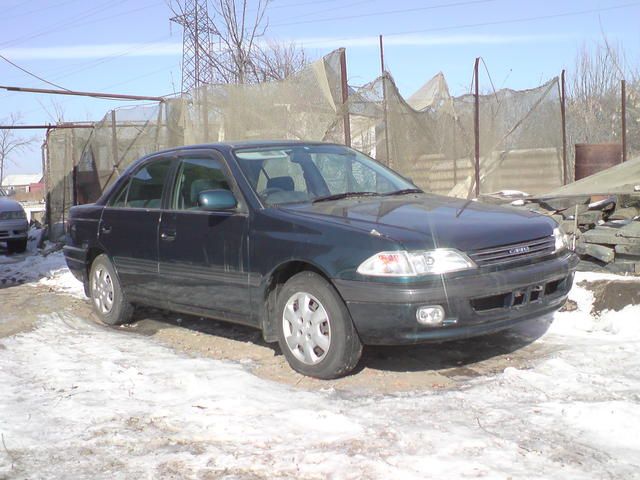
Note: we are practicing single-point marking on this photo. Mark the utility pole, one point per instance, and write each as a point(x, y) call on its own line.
point(563, 115)
point(196, 43)
point(476, 126)
point(623, 99)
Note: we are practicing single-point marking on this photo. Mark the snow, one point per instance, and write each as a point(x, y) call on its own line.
point(37, 269)
point(107, 403)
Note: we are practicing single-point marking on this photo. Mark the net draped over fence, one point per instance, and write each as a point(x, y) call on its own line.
point(428, 137)
point(520, 136)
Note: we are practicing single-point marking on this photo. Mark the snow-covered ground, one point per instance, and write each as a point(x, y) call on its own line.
point(35, 269)
point(81, 401)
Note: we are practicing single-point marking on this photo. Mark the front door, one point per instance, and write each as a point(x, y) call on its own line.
point(203, 254)
point(128, 229)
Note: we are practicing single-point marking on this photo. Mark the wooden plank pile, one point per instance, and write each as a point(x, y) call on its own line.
point(605, 231)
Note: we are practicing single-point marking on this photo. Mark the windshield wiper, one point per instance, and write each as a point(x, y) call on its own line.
point(404, 191)
point(339, 196)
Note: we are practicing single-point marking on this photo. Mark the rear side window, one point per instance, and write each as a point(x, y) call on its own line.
point(144, 190)
point(195, 176)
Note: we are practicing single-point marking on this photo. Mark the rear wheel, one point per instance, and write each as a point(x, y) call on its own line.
point(108, 299)
point(315, 331)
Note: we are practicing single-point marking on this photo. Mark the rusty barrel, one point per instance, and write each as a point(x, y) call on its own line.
point(594, 157)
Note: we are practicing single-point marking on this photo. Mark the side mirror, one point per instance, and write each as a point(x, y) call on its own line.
point(216, 200)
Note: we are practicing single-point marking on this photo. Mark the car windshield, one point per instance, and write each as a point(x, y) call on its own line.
point(314, 173)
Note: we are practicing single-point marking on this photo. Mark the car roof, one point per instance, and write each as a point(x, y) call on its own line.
point(9, 204)
point(227, 146)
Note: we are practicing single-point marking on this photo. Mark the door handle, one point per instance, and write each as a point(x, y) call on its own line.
point(168, 236)
point(105, 229)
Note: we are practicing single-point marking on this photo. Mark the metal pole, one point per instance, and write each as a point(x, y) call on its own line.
point(114, 142)
point(476, 125)
point(82, 94)
point(44, 126)
point(623, 85)
point(345, 97)
point(385, 115)
point(47, 181)
point(74, 176)
point(563, 114)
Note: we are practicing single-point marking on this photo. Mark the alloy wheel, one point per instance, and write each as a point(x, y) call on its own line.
point(102, 290)
point(306, 328)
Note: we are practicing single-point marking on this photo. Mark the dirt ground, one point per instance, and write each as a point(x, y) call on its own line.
point(381, 370)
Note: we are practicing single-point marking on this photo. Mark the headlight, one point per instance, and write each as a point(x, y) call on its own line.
point(562, 240)
point(413, 264)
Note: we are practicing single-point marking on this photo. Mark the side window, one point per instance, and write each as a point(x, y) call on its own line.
point(145, 187)
point(194, 176)
point(119, 199)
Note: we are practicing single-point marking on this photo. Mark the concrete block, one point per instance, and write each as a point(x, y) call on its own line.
point(628, 249)
point(600, 252)
point(590, 217)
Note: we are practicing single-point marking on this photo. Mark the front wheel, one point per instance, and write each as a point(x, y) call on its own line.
point(108, 298)
point(315, 331)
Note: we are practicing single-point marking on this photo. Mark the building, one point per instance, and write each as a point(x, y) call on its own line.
point(25, 183)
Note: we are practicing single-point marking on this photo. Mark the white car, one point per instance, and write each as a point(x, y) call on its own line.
point(13, 225)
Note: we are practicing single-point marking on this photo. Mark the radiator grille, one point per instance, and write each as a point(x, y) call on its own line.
point(514, 251)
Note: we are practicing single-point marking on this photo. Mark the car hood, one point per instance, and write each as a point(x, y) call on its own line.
point(428, 221)
point(9, 205)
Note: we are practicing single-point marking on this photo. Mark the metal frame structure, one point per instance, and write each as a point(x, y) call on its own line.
point(196, 43)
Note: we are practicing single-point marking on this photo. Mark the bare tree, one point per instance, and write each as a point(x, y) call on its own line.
point(10, 143)
point(594, 102)
point(277, 61)
point(239, 52)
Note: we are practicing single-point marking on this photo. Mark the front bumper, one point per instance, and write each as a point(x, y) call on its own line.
point(13, 230)
point(475, 304)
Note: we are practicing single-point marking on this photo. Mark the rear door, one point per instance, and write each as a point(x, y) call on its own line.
point(203, 254)
point(128, 229)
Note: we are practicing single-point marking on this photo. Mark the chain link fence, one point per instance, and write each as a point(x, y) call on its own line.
point(429, 137)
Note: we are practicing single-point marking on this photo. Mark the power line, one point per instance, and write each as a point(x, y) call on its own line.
point(387, 12)
point(516, 20)
point(65, 23)
point(300, 4)
point(31, 73)
point(38, 10)
point(77, 21)
point(310, 14)
point(68, 70)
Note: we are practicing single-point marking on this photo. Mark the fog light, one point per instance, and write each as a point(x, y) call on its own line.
point(431, 315)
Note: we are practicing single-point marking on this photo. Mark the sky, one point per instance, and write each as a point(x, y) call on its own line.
point(130, 46)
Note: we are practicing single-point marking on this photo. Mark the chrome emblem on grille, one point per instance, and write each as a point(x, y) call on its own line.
point(517, 250)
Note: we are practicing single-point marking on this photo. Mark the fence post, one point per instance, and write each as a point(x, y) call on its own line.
point(345, 97)
point(623, 86)
point(563, 114)
point(114, 143)
point(74, 174)
point(385, 115)
point(46, 170)
point(476, 126)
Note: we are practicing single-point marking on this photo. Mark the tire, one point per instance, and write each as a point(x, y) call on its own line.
point(107, 297)
point(17, 246)
point(318, 340)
